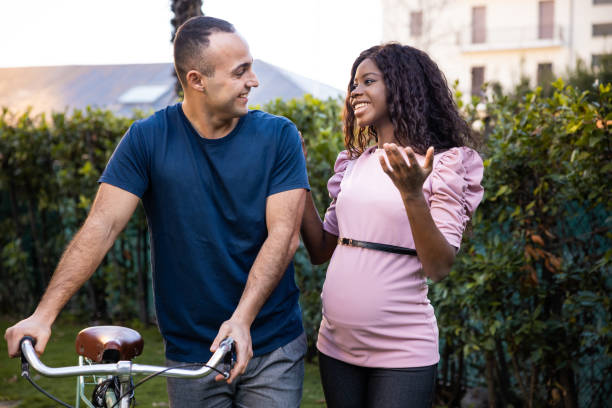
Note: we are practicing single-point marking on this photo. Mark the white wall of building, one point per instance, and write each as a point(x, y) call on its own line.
point(512, 48)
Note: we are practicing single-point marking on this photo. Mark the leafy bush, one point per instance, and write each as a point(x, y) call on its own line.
point(48, 178)
point(527, 302)
point(583, 77)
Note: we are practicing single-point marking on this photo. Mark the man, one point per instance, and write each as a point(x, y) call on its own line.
point(223, 189)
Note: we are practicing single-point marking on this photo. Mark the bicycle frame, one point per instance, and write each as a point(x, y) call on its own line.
point(110, 397)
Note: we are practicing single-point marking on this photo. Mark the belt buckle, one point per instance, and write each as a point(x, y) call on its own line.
point(350, 242)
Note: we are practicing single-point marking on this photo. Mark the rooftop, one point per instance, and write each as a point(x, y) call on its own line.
point(123, 88)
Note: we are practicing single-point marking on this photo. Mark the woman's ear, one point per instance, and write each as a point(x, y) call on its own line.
point(196, 81)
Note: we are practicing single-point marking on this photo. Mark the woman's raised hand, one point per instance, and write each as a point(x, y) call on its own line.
point(407, 177)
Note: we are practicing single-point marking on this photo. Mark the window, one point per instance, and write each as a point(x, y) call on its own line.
point(477, 80)
point(546, 19)
point(602, 1)
point(602, 29)
point(545, 77)
point(545, 74)
point(416, 23)
point(601, 62)
point(479, 27)
point(595, 60)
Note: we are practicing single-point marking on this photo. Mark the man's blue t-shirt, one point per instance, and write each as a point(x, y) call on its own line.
point(205, 201)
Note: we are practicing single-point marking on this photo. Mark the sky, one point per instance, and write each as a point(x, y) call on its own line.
point(318, 39)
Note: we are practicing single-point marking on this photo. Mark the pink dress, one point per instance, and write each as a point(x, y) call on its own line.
point(375, 307)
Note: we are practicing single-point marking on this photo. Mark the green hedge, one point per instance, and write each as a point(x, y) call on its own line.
point(527, 303)
point(525, 311)
point(48, 178)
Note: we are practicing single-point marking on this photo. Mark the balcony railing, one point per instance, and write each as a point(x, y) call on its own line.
point(508, 38)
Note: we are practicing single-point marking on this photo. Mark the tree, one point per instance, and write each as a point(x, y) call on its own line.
point(183, 10)
point(583, 77)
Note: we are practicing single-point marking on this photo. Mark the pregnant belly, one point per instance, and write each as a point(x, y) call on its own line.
point(349, 303)
point(363, 289)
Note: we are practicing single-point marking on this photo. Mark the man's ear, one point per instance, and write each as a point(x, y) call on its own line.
point(196, 80)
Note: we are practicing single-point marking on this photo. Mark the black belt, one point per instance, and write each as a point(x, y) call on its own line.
point(378, 247)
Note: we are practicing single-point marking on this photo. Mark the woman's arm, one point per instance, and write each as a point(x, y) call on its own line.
point(319, 243)
point(434, 252)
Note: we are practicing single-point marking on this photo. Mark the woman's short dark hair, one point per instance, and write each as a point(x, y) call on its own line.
point(191, 39)
point(420, 103)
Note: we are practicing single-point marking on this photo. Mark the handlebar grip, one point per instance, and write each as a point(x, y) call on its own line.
point(25, 365)
point(30, 338)
point(228, 342)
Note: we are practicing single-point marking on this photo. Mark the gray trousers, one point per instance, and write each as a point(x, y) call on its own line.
point(271, 380)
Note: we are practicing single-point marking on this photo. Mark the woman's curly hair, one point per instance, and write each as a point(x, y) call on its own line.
point(421, 106)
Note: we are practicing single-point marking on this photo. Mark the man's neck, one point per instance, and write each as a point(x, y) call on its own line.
point(208, 125)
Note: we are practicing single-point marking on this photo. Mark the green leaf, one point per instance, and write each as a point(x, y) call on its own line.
point(573, 127)
point(86, 169)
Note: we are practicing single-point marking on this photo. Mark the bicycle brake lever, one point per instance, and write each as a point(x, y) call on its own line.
point(25, 366)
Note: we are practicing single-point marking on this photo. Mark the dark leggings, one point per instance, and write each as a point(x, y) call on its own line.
point(349, 386)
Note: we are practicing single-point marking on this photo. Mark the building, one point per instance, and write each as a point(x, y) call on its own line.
point(123, 88)
point(477, 41)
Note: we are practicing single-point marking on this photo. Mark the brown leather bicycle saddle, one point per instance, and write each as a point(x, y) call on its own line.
point(109, 343)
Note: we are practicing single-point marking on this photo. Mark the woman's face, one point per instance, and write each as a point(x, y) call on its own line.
point(369, 95)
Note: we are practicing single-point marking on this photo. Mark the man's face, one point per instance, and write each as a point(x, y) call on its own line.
point(228, 88)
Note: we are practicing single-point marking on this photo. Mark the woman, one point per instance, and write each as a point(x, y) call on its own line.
point(415, 188)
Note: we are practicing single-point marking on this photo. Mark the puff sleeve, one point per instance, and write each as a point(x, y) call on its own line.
point(330, 224)
point(455, 191)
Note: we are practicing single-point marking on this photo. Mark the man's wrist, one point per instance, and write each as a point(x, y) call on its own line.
point(242, 318)
point(44, 316)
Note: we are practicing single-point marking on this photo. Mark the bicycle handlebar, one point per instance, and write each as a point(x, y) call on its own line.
point(123, 367)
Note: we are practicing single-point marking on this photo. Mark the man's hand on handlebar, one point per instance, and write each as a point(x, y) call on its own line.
point(241, 333)
point(41, 331)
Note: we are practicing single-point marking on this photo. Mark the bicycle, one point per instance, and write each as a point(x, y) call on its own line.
point(105, 355)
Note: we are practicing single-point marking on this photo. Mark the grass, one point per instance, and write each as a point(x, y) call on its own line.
point(60, 352)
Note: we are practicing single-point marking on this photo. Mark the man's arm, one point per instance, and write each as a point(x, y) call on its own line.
point(283, 217)
point(109, 214)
